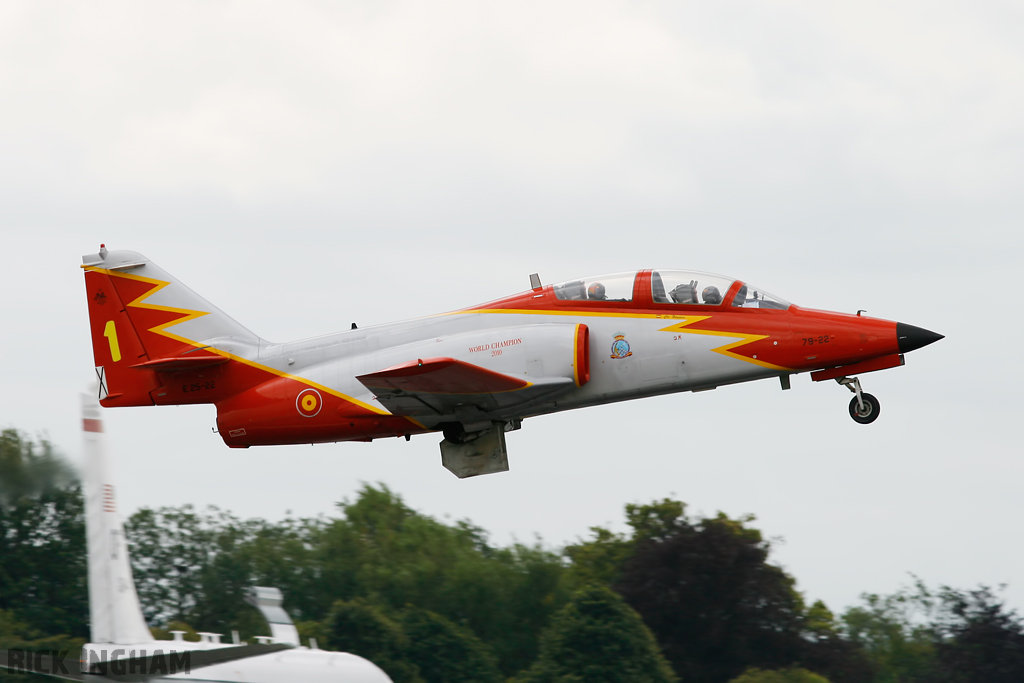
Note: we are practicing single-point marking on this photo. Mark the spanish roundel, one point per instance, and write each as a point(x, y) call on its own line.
point(309, 402)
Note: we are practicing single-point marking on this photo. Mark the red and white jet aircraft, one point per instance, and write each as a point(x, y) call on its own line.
point(474, 373)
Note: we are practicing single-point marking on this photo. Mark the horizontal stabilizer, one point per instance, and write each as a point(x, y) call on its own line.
point(192, 659)
point(441, 376)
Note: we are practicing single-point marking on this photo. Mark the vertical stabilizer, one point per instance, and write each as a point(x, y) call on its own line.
point(114, 610)
point(268, 601)
point(148, 329)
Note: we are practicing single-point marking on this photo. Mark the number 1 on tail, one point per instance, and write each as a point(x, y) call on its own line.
point(110, 332)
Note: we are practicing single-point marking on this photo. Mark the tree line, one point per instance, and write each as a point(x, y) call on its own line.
point(678, 597)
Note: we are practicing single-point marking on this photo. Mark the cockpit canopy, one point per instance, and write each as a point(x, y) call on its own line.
point(614, 287)
point(669, 287)
point(692, 287)
point(751, 297)
point(686, 287)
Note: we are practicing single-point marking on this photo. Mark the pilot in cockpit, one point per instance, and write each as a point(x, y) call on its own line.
point(711, 296)
point(596, 292)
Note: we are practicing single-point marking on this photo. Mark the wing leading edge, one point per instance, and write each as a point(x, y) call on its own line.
point(435, 387)
point(441, 376)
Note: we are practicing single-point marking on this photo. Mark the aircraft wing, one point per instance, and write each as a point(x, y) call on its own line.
point(19, 661)
point(197, 659)
point(68, 668)
point(433, 387)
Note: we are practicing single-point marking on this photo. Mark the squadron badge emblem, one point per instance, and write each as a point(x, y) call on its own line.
point(620, 347)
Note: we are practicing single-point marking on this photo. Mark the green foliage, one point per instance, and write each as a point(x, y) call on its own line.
point(194, 566)
point(433, 602)
point(716, 605)
point(828, 650)
point(416, 645)
point(601, 559)
point(896, 634)
point(287, 555)
point(167, 633)
point(779, 676)
point(42, 539)
point(15, 634)
point(312, 629)
point(597, 637)
point(657, 521)
point(186, 564)
point(446, 653)
point(978, 638)
point(948, 636)
point(820, 622)
point(28, 469)
point(387, 553)
point(706, 589)
point(43, 591)
point(363, 629)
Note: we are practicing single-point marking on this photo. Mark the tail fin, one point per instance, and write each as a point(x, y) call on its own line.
point(114, 610)
point(268, 601)
point(145, 322)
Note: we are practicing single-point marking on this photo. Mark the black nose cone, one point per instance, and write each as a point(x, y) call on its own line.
point(909, 337)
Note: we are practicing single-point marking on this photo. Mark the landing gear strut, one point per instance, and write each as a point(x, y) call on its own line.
point(864, 407)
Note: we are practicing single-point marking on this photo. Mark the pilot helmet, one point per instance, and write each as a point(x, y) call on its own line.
point(595, 291)
point(711, 295)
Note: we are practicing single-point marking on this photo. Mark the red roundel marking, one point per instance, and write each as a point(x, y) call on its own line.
point(309, 402)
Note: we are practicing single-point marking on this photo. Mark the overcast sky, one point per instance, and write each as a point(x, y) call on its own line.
point(304, 165)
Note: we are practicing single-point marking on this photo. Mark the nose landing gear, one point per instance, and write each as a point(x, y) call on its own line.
point(864, 408)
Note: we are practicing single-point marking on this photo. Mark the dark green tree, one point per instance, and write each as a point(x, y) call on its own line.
point(945, 636)
point(715, 604)
point(194, 567)
point(705, 588)
point(979, 640)
point(779, 676)
point(170, 548)
point(896, 632)
point(393, 556)
point(19, 635)
point(363, 629)
point(828, 650)
point(287, 555)
point(42, 539)
point(597, 637)
point(29, 469)
point(446, 653)
point(602, 558)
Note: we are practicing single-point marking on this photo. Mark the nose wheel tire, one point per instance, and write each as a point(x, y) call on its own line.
point(867, 414)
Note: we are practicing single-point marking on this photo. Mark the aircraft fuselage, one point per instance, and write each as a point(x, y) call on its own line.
point(553, 348)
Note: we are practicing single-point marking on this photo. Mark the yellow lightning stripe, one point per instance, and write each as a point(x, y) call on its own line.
point(192, 315)
point(685, 320)
point(571, 313)
point(726, 350)
point(185, 313)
